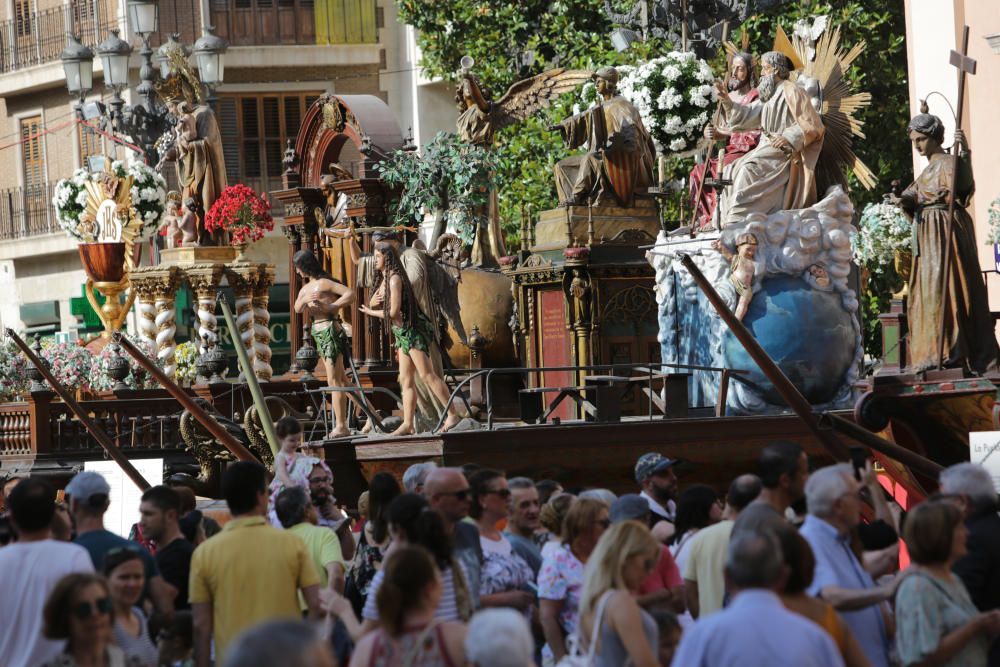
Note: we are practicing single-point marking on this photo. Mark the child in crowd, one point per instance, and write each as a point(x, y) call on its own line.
point(669, 629)
point(290, 467)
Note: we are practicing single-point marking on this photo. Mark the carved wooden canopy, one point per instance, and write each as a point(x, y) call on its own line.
point(332, 121)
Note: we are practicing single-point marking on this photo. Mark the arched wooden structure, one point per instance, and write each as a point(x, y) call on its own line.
point(341, 139)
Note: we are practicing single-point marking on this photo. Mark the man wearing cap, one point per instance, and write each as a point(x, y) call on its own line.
point(89, 496)
point(655, 475)
point(663, 588)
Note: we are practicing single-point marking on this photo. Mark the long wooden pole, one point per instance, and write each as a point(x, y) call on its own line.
point(98, 434)
point(796, 401)
point(943, 316)
point(217, 430)
point(258, 396)
point(909, 458)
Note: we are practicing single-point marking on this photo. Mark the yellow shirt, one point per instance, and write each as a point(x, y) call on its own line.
point(323, 547)
point(706, 562)
point(250, 572)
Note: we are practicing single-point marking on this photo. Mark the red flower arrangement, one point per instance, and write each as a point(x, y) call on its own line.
point(241, 212)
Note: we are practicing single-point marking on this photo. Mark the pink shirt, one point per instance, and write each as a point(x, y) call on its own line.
point(664, 575)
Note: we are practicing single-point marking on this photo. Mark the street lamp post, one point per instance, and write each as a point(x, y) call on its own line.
point(146, 122)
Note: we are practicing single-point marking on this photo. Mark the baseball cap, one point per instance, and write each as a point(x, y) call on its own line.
point(650, 464)
point(630, 506)
point(86, 485)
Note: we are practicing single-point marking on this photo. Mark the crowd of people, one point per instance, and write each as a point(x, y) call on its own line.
point(457, 567)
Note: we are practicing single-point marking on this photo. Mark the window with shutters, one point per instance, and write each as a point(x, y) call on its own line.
point(254, 131)
point(22, 17)
point(89, 141)
point(32, 153)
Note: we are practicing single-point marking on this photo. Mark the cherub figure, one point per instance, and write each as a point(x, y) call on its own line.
point(171, 221)
point(187, 127)
point(818, 277)
point(741, 269)
point(189, 224)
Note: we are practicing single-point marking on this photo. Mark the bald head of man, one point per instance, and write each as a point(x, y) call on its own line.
point(447, 491)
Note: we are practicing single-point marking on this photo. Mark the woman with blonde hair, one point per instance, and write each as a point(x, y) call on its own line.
point(613, 628)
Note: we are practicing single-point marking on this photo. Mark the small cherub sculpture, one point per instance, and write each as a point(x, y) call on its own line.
point(818, 277)
point(189, 224)
point(187, 127)
point(171, 221)
point(741, 269)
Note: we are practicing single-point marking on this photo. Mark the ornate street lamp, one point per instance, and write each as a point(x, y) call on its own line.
point(114, 53)
point(210, 50)
point(78, 65)
point(143, 16)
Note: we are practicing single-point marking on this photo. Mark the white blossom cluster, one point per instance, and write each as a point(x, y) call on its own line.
point(883, 231)
point(672, 93)
point(148, 193)
point(994, 222)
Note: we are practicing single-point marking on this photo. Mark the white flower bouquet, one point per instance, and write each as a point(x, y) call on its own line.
point(70, 363)
point(148, 192)
point(137, 378)
point(186, 358)
point(673, 94)
point(884, 230)
point(70, 200)
point(13, 371)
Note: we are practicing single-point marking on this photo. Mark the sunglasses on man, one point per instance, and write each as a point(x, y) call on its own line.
point(84, 610)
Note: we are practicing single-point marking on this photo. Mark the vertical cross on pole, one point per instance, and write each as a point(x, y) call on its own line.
point(965, 65)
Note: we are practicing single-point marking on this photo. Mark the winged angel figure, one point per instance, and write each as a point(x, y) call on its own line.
point(481, 118)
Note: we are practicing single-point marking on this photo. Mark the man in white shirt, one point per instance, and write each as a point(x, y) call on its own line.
point(29, 570)
point(756, 630)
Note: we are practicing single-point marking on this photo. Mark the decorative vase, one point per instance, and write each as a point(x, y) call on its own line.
point(241, 257)
point(104, 264)
point(903, 263)
point(118, 368)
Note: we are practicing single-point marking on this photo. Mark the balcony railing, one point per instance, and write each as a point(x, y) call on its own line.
point(254, 22)
point(35, 38)
point(27, 212)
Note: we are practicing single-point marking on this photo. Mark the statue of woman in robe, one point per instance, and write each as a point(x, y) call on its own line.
point(969, 338)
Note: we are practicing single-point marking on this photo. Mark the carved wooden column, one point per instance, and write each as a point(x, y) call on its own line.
point(204, 280)
point(166, 281)
point(145, 288)
point(579, 291)
point(261, 321)
point(294, 285)
point(242, 278)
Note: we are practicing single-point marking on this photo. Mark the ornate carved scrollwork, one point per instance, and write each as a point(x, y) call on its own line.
point(634, 306)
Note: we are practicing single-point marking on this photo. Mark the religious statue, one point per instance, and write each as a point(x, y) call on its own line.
point(741, 269)
point(779, 174)
point(171, 221)
point(412, 333)
point(742, 86)
point(324, 299)
point(189, 223)
point(434, 286)
point(195, 144)
point(620, 152)
point(481, 118)
point(969, 339)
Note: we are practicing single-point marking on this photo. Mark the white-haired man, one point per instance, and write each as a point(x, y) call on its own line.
point(972, 487)
point(756, 630)
point(416, 475)
point(833, 497)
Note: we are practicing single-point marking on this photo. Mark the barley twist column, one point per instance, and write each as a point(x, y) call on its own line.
point(261, 321)
point(242, 278)
point(166, 281)
point(204, 280)
point(145, 304)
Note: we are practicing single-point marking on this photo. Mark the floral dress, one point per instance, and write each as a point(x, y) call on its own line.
point(503, 570)
point(561, 578)
point(298, 468)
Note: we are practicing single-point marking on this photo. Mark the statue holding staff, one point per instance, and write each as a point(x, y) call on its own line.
point(969, 339)
point(323, 299)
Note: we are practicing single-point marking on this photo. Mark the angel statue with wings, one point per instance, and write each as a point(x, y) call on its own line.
point(482, 118)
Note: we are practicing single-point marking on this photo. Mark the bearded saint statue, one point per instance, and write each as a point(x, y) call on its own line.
point(780, 173)
point(742, 85)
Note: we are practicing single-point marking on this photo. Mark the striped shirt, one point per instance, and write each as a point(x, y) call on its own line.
point(447, 609)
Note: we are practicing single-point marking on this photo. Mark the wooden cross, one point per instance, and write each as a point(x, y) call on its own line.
point(965, 65)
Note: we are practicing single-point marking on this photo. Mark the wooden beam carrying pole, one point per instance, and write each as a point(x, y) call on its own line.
point(914, 461)
point(219, 432)
point(96, 432)
point(251, 379)
point(796, 401)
